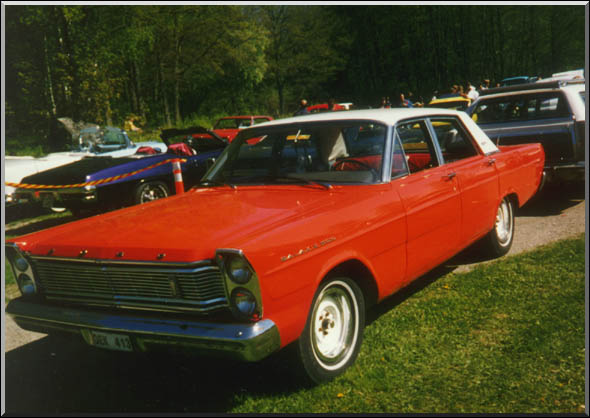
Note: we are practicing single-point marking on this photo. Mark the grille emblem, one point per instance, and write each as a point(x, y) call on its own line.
point(83, 253)
point(174, 287)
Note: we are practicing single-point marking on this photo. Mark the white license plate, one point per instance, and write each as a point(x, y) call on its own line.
point(110, 341)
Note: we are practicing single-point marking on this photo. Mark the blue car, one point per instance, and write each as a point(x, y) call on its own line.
point(98, 184)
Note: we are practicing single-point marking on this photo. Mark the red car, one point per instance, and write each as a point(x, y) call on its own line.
point(324, 107)
point(299, 227)
point(229, 126)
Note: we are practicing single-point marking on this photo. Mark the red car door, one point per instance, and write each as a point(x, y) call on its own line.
point(475, 173)
point(431, 200)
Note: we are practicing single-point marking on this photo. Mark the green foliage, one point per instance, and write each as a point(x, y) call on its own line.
point(168, 63)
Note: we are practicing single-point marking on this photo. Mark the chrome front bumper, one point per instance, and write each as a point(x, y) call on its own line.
point(48, 197)
point(246, 342)
point(567, 171)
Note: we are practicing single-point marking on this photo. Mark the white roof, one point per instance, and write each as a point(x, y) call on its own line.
point(385, 116)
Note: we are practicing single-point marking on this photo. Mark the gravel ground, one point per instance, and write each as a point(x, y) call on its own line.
point(555, 214)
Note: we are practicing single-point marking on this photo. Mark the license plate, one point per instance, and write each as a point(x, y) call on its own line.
point(110, 341)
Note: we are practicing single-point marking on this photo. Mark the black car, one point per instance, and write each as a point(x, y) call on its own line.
point(552, 113)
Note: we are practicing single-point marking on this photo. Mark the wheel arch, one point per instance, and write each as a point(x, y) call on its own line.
point(360, 274)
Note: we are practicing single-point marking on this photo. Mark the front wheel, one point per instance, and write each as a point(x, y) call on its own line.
point(499, 239)
point(333, 333)
point(151, 190)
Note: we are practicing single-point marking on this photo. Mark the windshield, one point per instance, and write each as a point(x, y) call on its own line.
point(100, 140)
point(334, 152)
point(233, 123)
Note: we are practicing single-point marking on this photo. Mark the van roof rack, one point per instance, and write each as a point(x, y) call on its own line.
point(542, 84)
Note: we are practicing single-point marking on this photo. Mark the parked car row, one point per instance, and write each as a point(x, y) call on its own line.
point(198, 146)
point(297, 228)
point(103, 141)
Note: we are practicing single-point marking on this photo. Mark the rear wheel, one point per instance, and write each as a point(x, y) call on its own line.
point(333, 333)
point(151, 190)
point(499, 239)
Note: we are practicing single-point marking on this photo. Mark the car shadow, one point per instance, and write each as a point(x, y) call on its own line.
point(57, 375)
point(553, 200)
point(406, 292)
point(37, 225)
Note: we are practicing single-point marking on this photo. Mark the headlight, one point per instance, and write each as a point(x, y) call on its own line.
point(26, 284)
point(238, 270)
point(21, 264)
point(21, 269)
point(243, 302)
point(242, 286)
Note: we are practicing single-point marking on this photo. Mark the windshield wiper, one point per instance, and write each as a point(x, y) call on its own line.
point(289, 179)
point(213, 183)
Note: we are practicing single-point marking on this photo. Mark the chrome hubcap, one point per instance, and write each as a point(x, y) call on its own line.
point(335, 325)
point(152, 192)
point(504, 223)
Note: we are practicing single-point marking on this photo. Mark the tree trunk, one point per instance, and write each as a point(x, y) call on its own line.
point(177, 83)
point(74, 103)
point(52, 106)
point(163, 94)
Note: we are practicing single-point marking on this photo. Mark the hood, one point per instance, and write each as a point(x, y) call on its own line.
point(186, 227)
point(194, 131)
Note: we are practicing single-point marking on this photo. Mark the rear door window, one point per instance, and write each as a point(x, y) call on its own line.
point(521, 108)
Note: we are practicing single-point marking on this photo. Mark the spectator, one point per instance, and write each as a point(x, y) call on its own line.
point(403, 102)
point(471, 92)
point(302, 108)
point(385, 103)
point(434, 95)
point(331, 105)
point(485, 85)
point(415, 103)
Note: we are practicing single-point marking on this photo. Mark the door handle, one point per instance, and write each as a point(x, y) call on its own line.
point(449, 176)
point(491, 161)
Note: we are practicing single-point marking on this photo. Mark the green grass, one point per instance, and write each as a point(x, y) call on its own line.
point(506, 337)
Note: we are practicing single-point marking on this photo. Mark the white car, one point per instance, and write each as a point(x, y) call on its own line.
point(95, 141)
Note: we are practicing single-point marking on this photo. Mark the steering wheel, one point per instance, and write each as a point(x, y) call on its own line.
point(374, 172)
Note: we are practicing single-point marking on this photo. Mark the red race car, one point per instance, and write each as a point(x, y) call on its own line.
point(299, 226)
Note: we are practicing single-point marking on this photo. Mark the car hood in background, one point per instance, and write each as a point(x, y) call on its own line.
point(75, 172)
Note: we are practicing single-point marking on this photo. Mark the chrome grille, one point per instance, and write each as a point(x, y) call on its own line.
point(192, 287)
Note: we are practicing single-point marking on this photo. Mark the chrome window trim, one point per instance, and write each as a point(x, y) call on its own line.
point(426, 121)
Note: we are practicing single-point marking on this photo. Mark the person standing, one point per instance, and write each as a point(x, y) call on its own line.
point(403, 102)
point(302, 108)
point(472, 93)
